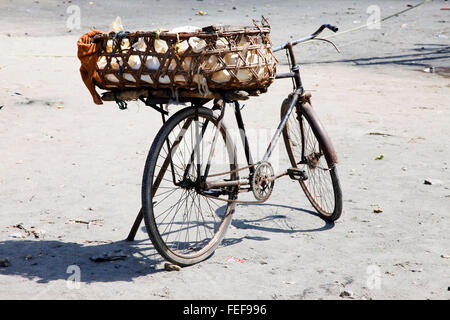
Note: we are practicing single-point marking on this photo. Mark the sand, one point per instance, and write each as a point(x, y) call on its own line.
point(65, 160)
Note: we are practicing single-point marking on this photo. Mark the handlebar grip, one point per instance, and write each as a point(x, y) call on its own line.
point(332, 28)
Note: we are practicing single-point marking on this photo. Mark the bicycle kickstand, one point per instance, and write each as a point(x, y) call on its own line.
point(135, 227)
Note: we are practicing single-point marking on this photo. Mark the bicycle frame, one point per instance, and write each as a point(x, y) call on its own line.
point(211, 185)
point(297, 94)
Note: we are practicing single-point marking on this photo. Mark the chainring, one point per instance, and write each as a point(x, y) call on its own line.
point(263, 181)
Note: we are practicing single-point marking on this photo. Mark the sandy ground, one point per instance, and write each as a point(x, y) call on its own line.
point(64, 158)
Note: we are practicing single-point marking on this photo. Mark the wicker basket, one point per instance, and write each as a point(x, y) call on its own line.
point(213, 59)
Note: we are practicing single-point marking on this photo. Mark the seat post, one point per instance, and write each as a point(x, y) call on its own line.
point(240, 123)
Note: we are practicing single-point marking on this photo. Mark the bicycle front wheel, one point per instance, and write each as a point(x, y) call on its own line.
point(309, 149)
point(184, 222)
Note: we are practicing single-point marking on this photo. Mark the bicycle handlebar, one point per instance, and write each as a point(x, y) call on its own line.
point(310, 37)
point(332, 28)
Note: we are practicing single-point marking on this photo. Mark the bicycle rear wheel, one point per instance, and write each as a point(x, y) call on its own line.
point(183, 222)
point(309, 149)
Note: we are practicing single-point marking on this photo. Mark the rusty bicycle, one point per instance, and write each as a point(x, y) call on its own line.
point(192, 180)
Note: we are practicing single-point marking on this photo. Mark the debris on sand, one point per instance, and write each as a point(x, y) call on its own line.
point(433, 182)
point(72, 221)
point(98, 241)
point(110, 256)
point(235, 259)
point(346, 294)
point(407, 265)
point(97, 222)
point(377, 210)
point(21, 227)
point(38, 233)
point(17, 235)
point(171, 267)
point(32, 231)
point(380, 134)
point(4, 263)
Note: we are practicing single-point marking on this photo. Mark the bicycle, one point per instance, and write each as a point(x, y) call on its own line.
point(191, 177)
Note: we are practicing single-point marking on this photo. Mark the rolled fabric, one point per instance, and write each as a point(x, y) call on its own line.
point(146, 78)
point(101, 63)
point(160, 46)
point(116, 26)
point(164, 79)
point(125, 44)
point(211, 63)
point(231, 58)
point(221, 43)
point(221, 76)
point(88, 54)
point(182, 47)
point(140, 45)
point(179, 79)
point(152, 63)
point(134, 62)
point(116, 63)
point(197, 44)
point(187, 63)
point(244, 75)
point(112, 78)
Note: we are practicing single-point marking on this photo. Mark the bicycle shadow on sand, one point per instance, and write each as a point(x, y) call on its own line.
point(421, 55)
point(44, 261)
point(275, 223)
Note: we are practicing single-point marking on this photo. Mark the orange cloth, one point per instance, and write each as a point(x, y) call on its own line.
point(88, 55)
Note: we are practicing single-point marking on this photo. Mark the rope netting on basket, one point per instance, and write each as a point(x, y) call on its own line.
point(208, 59)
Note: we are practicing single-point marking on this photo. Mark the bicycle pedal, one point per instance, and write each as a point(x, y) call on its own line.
point(213, 192)
point(297, 174)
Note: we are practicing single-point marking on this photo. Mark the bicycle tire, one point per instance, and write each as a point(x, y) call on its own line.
point(325, 149)
point(154, 227)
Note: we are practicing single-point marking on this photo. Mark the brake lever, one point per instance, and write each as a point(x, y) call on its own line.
point(329, 41)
